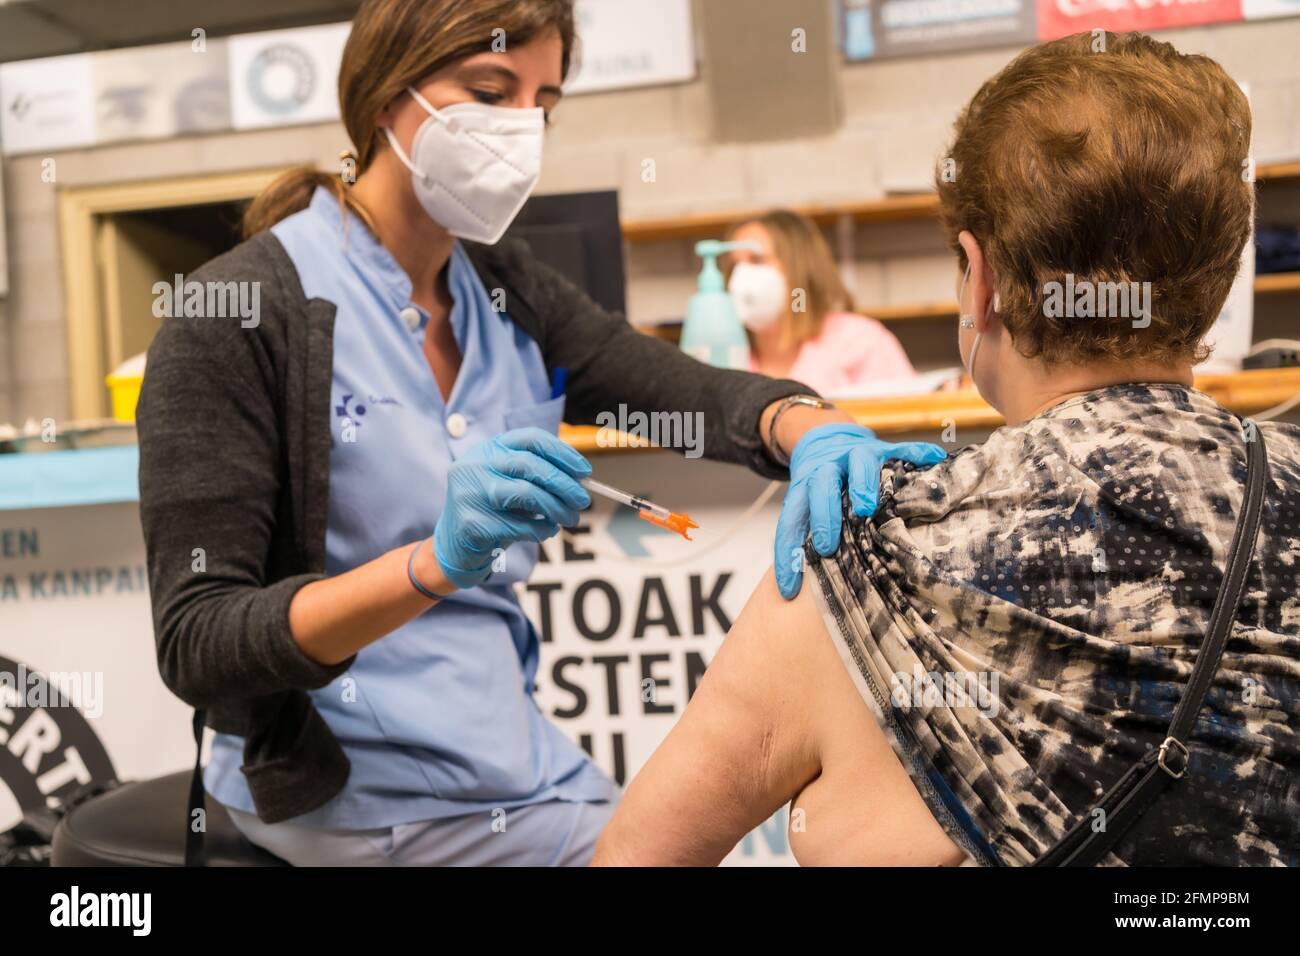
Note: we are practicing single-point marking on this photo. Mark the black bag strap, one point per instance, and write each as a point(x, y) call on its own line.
point(1125, 802)
point(193, 836)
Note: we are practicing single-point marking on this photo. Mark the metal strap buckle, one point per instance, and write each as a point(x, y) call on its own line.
point(1164, 749)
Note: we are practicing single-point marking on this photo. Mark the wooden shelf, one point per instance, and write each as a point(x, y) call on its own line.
point(714, 224)
point(908, 313)
point(1277, 171)
point(1264, 285)
point(1243, 392)
point(1277, 282)
point(1274, 283)
point(890, 209)
point(912, 206)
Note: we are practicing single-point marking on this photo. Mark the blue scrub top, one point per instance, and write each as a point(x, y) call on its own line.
point(438, 717)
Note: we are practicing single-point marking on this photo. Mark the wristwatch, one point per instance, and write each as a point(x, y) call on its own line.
point(812, 401)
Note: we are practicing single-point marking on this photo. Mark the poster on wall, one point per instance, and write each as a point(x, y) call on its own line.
point(1265, 9)
point(1058, 18)
point(80, 696)
point(1233, 332)
point(161, 91)
point(286, 76)
point(874, 29)
point(628, 618)
point(47, 104)
point(632, 43)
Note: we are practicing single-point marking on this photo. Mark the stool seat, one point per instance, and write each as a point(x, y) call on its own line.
point(143, 824)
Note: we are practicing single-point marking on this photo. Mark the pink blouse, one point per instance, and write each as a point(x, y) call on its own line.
point(851, 349)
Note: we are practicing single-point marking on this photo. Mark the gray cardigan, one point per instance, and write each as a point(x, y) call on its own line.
point(235, 439)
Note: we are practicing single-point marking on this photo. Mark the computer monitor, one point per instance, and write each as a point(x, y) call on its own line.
point(579, 235)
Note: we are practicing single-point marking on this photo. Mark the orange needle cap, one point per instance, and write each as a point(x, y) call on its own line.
point(680, 523)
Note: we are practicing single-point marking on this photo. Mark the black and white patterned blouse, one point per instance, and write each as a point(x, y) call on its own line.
point(1023, 617)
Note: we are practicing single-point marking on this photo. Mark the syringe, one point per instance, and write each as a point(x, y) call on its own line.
point(649, 511)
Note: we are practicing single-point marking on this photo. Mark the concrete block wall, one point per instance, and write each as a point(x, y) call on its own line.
point(33, 335)
point(897, 117)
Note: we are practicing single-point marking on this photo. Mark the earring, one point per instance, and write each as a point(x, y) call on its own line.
point(997, 302)
point(967, 320)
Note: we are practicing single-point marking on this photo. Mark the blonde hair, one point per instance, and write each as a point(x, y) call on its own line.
point(395, 44)
point(805, 258)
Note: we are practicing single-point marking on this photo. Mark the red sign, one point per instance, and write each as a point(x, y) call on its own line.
point(1058, 18)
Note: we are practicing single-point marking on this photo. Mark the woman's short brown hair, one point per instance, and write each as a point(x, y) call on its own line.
point(1123, 161)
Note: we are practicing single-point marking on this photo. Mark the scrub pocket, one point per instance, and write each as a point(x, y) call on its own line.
point(546, 416)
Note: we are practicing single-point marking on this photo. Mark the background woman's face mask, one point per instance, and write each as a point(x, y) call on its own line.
point(473, 166)
point(759, 293)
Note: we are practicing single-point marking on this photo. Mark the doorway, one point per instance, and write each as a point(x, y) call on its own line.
point(118, 241)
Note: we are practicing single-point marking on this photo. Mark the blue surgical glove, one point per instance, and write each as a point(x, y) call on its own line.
point(519, 486)
point(823, 459)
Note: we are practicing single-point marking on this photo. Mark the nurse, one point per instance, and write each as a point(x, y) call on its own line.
point(338, 496)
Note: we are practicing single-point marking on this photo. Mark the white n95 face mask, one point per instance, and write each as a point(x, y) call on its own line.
point(473, 165)
point(759, 293)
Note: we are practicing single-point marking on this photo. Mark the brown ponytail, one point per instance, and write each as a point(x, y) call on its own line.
point(291, 192)
point(395, 44)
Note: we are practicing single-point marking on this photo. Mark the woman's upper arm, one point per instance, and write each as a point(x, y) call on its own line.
point(210, 474)
point(744, 747)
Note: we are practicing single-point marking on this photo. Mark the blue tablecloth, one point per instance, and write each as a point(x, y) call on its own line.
point(54, 479)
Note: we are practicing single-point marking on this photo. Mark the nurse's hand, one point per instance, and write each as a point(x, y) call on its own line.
point(824, 459)
point(519, 486)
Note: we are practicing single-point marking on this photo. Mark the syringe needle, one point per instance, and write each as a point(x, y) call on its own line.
point(648, 510)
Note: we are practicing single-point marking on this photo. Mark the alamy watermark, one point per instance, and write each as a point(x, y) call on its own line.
point(209, 300)
point(133, 911)
point(684, 430)
point(83, 690)
point(1084, 299)
point(965, 690)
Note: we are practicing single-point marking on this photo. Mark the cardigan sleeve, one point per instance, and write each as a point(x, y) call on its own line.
point(609, 363)
point(210, 490)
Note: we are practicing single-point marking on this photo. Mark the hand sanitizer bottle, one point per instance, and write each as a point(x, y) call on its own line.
point(713, 331)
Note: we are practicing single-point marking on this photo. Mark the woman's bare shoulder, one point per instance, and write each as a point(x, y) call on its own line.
point(740, 751)
point(776, 718)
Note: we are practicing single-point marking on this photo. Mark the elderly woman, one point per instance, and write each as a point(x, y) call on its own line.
point(1013, 630)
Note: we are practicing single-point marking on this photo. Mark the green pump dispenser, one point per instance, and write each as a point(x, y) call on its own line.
point(713, 331)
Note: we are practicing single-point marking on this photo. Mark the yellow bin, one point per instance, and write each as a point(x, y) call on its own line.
point(125, 390)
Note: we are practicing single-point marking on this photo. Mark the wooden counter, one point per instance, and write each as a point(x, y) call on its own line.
point(1243, 392)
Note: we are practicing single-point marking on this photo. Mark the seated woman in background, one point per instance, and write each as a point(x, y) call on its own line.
point(1061, 574)
point(799, 314)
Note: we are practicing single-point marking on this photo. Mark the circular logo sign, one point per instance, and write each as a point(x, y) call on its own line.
point(281, 79)
point(47, 748)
